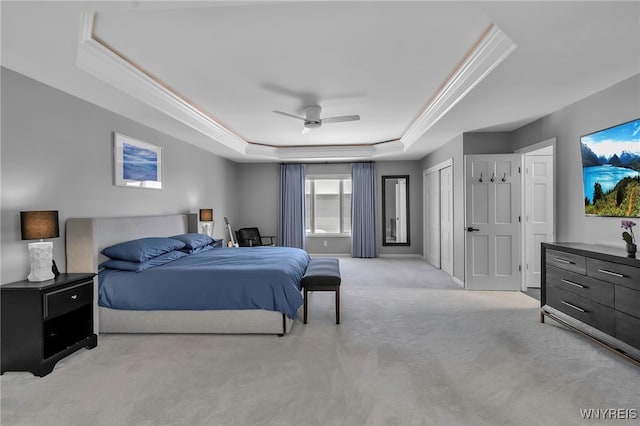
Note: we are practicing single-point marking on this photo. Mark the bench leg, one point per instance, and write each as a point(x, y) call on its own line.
point(338, 305)
point(305, 306)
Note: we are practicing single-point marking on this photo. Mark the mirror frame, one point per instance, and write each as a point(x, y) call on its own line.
point(384, 214)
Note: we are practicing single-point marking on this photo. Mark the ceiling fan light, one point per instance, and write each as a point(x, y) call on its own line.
point(312, 124)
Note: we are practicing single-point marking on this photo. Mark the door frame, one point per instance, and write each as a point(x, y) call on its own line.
point(446, 226)
point(551, 142)
point(425, 207)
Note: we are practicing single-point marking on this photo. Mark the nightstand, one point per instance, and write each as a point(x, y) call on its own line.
point(43, 322)
point(218, 243)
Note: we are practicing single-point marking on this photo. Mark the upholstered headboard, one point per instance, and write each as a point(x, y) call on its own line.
point(87, 237)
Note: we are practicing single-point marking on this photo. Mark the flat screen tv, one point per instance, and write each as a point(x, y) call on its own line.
point(611, 171)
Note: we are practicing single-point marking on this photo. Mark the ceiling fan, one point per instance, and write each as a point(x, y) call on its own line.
point(312, 118)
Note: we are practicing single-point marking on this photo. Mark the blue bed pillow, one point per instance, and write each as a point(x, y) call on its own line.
point(194, 241)
point(197, 250)
point(125, 265)
point(142, 249)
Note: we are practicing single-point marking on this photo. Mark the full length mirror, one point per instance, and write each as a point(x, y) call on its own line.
point(395, 210)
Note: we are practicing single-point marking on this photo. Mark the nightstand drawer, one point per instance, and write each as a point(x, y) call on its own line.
point(569, 261)
point(616, 273)
point(66, 300)
point(585, 310)
point(591, 288)
point(628, 301)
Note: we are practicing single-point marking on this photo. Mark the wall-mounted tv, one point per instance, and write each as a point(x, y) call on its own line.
point(611, 171)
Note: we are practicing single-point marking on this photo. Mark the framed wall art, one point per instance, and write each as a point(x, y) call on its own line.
point(136, 164)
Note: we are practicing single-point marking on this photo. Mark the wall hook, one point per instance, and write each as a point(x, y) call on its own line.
point(493, 175)
point(504, 178)
point(480, 180)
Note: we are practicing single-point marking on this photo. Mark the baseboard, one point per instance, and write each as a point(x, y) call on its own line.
point(414, 256)
point(457, 281)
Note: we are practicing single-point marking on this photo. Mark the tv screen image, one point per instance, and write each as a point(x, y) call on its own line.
point(611, 171)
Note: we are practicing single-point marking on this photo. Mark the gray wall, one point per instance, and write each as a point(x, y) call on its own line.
point(615, 105)
point(258, 191)
point(57, 154)
point(257, 197)
point(486, 143)
point(258, 202)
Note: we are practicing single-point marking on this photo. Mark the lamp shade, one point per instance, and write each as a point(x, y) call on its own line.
point(206, 215)
point(38, 225)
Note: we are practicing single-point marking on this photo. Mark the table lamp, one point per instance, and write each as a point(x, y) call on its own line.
point(38, 225)
point(206, 216)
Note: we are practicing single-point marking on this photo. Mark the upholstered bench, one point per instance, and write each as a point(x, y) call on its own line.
point(323, 274)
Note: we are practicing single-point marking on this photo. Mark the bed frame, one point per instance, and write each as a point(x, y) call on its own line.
point(87, 237)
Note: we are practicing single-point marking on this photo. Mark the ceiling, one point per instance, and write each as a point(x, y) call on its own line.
point(418, 73)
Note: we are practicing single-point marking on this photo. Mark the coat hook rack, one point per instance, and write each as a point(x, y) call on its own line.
point(504, 178)
point(493, 175)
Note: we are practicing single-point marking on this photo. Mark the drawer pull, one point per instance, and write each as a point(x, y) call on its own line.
point(615, 274)
point(74, 297)
point(568, 262)
point(572, 283)
point(573, 306)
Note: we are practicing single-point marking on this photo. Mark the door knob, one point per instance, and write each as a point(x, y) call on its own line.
point(470, 229)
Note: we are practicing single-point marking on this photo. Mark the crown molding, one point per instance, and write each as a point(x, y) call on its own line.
point(103, 62)
point(323, 153)
point(390, 147)
point(488, 52)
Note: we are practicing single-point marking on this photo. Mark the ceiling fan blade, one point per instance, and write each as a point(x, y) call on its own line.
point(286, 114)
point(305, 130)
point(341, 119)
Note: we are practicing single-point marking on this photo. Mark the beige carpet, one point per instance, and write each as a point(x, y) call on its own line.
point(413, 349)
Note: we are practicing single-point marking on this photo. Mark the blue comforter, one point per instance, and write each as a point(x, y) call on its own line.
point(222, 278)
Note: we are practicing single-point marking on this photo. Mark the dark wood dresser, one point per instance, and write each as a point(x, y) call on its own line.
point(595, 290)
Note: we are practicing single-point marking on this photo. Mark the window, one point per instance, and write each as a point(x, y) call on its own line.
point(328, 206)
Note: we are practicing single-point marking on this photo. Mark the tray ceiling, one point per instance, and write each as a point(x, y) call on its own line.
point(417, 73)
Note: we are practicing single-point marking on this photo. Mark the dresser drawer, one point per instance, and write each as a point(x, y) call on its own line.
point(616, 273)
point(585, 310)
point(568, 261)
point(628, 329)
point(628, 301)
point(596, 290)
point(66, 300)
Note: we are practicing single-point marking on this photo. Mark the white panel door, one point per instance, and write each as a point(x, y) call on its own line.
point(432, 244)
point(446, 220)
point(493, 186)
point(539, 212)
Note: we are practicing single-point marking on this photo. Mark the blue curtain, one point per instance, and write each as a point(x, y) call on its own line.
point(364, 238)
point(291, 216)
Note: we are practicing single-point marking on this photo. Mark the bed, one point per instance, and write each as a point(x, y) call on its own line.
point(198, 308)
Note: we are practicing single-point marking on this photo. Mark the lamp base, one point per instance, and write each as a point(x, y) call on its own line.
point(41, 255)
